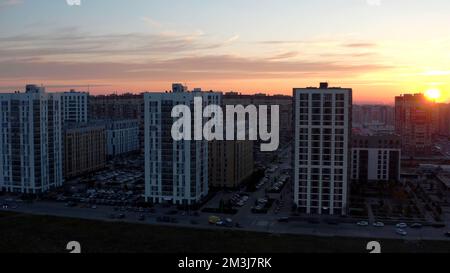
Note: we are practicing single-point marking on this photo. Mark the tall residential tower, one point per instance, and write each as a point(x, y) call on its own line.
point(414, 123)
point(175, 171)
point(74, 107)
point(30, 141)
point(322, 138)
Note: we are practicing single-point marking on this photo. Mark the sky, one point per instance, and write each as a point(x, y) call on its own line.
point(380, 48)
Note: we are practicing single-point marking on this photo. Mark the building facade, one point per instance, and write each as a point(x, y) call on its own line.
point(84, 150)
point(322, 139)
point(368, 115)
point(122, 137)
point(74, 107)
point(441, 120)
point(376, 158)
point(175, 171)
point(230, 163)
point(30, 141)
point(119, 107)
point(414, 123)
point(286, 116)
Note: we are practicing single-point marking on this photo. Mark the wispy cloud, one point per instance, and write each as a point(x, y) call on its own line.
point(282, 42)
point(9, 3)
point(436, 73)
point(232, 39)
point(218, 67)
point(70, 44)
point(73, 55)
point(285, 55)
point(360, 45)
point(151, 22)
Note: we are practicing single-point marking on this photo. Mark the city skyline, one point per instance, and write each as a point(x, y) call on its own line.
point(220, 46)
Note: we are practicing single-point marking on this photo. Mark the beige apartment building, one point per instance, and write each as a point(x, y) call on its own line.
point(84, 150)
point(230, 163)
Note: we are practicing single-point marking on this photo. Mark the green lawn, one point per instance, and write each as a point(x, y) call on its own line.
point(28, 233)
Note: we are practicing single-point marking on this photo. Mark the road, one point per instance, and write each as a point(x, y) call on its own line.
point(252, 222)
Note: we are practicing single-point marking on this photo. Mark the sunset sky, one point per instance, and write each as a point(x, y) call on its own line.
point(380, 48)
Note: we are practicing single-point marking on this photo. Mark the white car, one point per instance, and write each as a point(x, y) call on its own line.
point(402, 226)
point(401, 232)
point(378, 224)
point(363, 223)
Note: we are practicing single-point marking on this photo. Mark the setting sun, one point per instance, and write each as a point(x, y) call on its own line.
point(433, 94)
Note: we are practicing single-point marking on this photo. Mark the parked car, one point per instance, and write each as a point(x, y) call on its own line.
point(378, 224)
point(447, 234)
point(363, 223)
point(401, 226)
point(283, 220)
point(213, 220)
point(416, 225)
point(71, 204)
point(401, 232)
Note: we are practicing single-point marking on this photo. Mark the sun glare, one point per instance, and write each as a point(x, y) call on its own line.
point(433, 94)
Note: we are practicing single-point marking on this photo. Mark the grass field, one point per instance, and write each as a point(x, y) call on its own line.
point(37, 234)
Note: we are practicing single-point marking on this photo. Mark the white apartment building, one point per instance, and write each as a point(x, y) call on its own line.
point(322, 138)
point(122, 137)
point(30, 141)
point(376, 158)
point(74, 106)
point(175, 171)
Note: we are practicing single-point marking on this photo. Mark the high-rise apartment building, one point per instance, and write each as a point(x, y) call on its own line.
point(442, 119)
point(376, 158)
point(175, 171)
point(30, 141)
point(414, 123)
point(74, 107)
point(322, 139)
point(84, 150)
